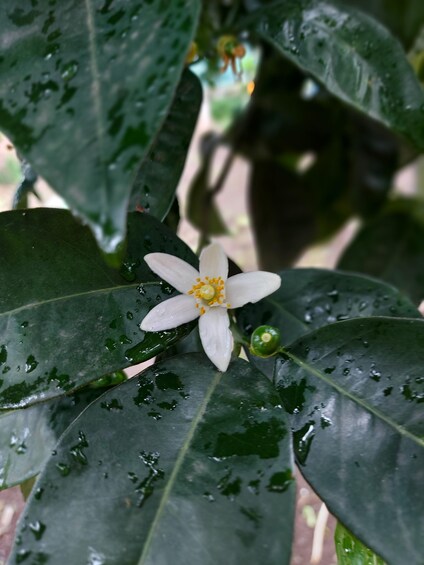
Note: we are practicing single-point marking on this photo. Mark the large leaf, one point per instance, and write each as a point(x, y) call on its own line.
point(202, 210)
point(309, 299)
point(29, 435)
point(391, 246)
point(65, 317)
point(354, 56)
point(183, 464)
point(157, 178)
point(84, 88)
point(350, 551)
point(404, 19)
point(355, 391)
point(283, 217)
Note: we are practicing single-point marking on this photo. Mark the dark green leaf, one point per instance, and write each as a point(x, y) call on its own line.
point(282, 212)
point(278, 119)
point(309, 299)
point(202, 211)
point(355, 391)
point(65, 317)
point(84, 88)
point(350, 551)
point(182, 453)
point(157, 178)
point(28, 436)
point(391, 247)
point(354, 56)
point(404, 19)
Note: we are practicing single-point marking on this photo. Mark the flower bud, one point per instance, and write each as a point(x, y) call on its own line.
point(265, 341)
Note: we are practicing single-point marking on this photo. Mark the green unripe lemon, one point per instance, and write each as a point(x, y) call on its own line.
point(265, 341)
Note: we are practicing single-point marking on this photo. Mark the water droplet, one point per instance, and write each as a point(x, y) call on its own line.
point(112, 405)
point(280, 482)
point(38, 529)
point(31, 364)
point(110, 344)
point(3, 354)
point(375, 375)
point(209, 497)
point(38, 493)
point(302, 440)
point(69, 71)
point(63, 469)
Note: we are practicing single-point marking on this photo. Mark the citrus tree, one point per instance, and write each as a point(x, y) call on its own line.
point(192, 461)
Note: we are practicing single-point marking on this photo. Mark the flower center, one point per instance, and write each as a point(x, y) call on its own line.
point(207, 292)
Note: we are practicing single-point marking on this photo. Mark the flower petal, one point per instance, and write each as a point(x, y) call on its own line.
point(216, 338)
point(170, 314)
point(250, 287)
point(213, 262)
point(173, 270)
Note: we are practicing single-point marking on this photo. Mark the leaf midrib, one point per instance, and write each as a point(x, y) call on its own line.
point(95, 85)
point(76, 295)
point(178, 463)
point(371, 409)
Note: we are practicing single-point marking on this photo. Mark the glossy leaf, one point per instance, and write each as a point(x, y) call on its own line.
point(157, 178)
point(404, 19)
point(354, 390)
point(84, 88)
point(353, 55)
point(182, 453)
point(350, 551)
point(309, 299)
point(28, 436)
point(391, 247)
point(48, 298)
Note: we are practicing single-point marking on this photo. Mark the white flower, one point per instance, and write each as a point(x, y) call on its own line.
point(207, 295)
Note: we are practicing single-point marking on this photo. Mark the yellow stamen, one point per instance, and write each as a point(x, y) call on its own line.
point(210, 290)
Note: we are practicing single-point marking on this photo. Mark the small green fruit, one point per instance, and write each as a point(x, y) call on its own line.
point(265, 341)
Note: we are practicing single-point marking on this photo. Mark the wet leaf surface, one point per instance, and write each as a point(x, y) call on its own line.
point(309, 299)
point(28, 436)
point(355, 390)
point(182, 453)
point(350, 551)
point(84, 88)
point(48, 298)
point(353, 55)
point(157, 178)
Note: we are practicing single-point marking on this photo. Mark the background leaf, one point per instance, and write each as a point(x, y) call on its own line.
point(404, 19)
point(350, 551)
point(157, 178)
point(202, 210)
point(354, 390)
point(391, 246)
point(49, 297)
point(182, 453)
point(309, 299)
point(84, 88)
point(353, 55)
point(315, 162)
